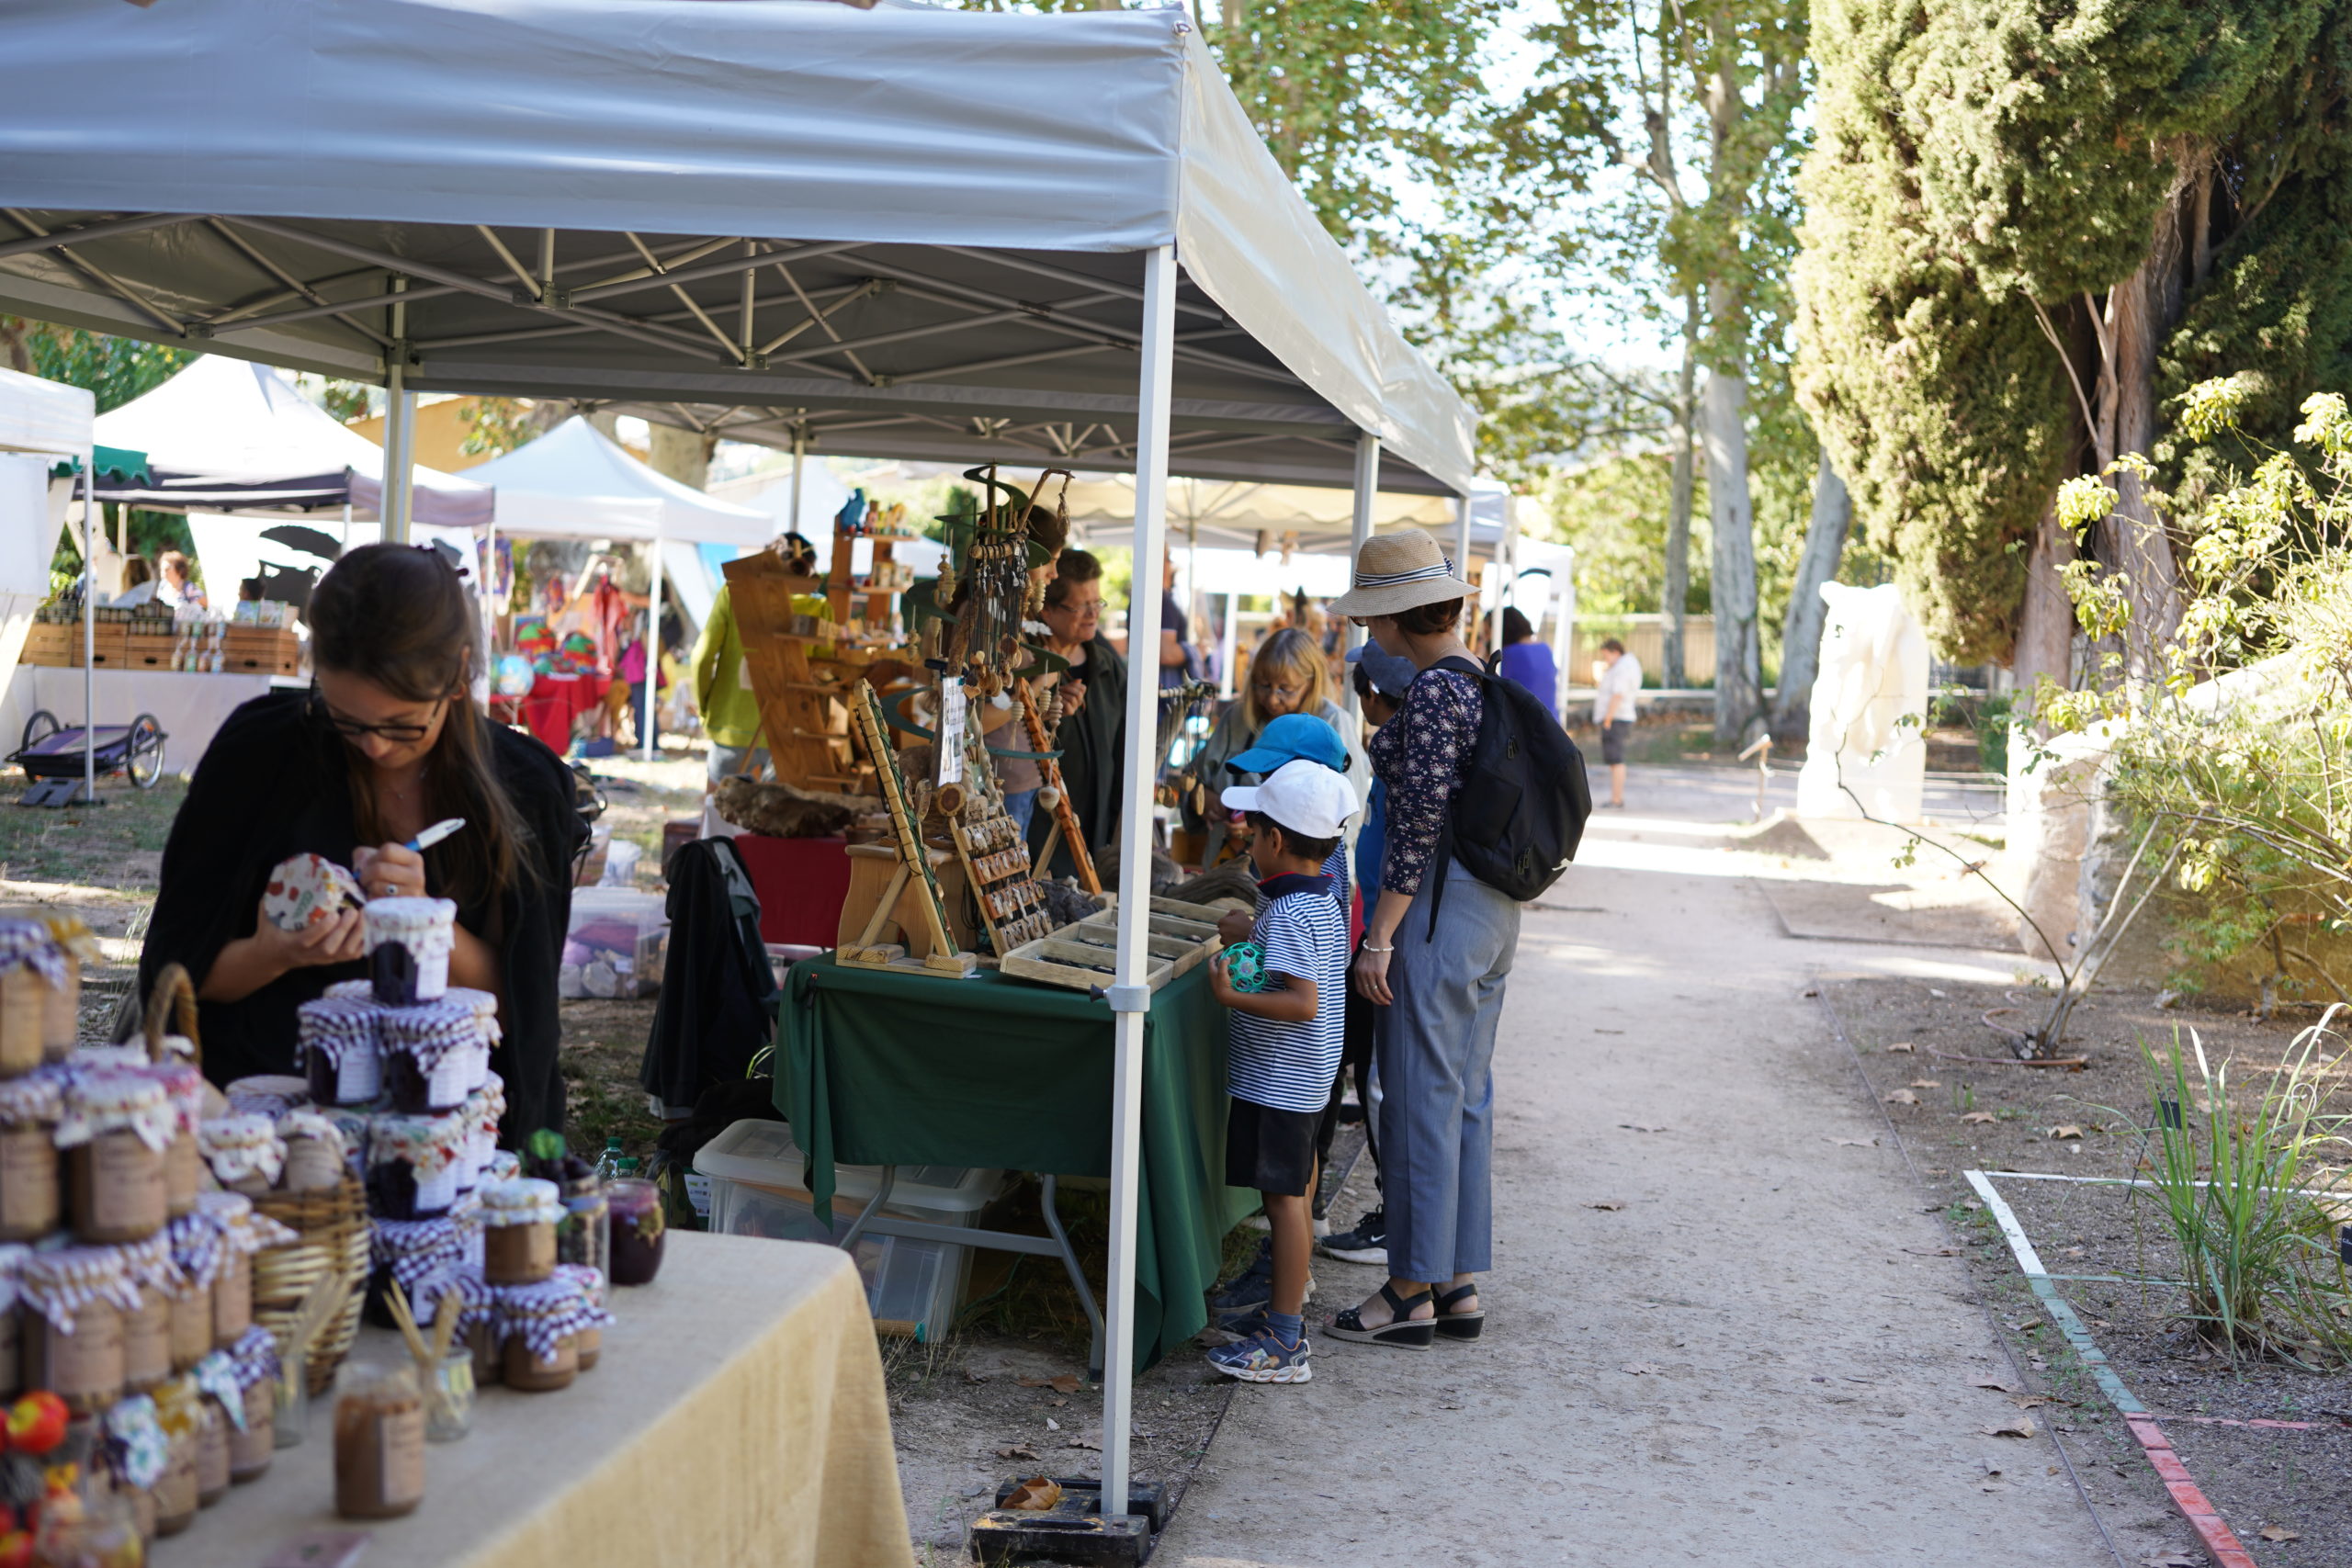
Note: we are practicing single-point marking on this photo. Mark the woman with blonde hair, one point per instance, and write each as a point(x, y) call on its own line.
point(1287, 674)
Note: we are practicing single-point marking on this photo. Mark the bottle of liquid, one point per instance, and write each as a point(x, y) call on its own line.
point(608, 1164)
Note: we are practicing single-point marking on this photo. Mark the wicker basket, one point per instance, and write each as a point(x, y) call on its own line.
point(333, 1224)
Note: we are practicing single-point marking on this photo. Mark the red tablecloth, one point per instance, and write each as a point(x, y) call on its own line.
point(556, 702)
point(801, 883)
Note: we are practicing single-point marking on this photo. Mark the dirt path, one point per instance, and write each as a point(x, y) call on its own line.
point(1759, 1359)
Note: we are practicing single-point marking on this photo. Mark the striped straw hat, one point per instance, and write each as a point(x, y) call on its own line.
point(1400, 571)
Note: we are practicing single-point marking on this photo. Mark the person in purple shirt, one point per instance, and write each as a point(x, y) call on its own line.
point(1529, 662)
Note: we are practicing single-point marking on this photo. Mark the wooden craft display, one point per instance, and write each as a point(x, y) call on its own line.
point(803, 682)
point(1084, 955)
point(1065, 829)
point(914, 873)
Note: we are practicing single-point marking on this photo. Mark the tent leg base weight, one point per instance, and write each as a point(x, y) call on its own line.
point(1006, 1536)
point(1084, 1493)
point(57, 793)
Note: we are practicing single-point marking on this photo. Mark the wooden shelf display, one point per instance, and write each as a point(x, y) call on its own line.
point(914, 873)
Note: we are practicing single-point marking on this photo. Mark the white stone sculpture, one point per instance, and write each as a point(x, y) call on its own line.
point(1874, 677)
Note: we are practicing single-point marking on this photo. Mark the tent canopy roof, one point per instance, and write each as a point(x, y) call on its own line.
point(572, 482)
point(44, 416)
point(224, 435)
point(926, 225)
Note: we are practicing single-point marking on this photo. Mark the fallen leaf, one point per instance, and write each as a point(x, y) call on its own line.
point(1978, 1118)
point(2278, 1532)
point(1066, 1384)
point(1639, 1368)
point(2021, 1428)
point(2027, 1401)
point(1018, 1451)
point(1035, 1496)
point(1057, 1404)
point(1902, 1045)
point(1927, 1083)
point(1638, 1127)
point(1608, 1204)
point(1901, 1096)
point(1995, 1384)
point(2067, 1130)
point(1853, 1143)
point(2025, 1325)
point(1085, 1440)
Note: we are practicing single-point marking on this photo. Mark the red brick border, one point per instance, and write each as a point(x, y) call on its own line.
point(2220, 1543)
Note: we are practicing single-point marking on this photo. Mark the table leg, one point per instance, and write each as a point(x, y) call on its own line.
point(881, 1196)
point(1077, 1278)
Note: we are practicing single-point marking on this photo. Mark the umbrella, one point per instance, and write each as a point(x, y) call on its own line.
point(310, 541)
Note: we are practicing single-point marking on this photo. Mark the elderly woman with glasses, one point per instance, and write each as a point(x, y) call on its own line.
point(386, 742)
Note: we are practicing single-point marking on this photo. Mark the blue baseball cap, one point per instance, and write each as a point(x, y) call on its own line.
point(1293, 737)
point(1391, 676)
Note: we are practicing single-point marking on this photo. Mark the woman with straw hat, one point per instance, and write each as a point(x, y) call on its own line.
point(1439, 982)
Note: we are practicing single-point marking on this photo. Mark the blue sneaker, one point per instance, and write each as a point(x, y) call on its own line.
point(1264, 1358)
point(1253, 1287)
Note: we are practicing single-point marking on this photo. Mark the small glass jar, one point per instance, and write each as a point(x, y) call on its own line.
point(178, 1412)
point(245, 1153)
point(588, 1341)
point(147, 1340)
point(449, 1404)
point(340, 1050)
point(433, 1056)
point(243, 1233)
point(72, 1340)
point(585, 1236)
point(378, 1441)
point(184, 1085)
point(315, 1157)
point(29, 1189)
point(12, 1320)
point(485, 1009)
point(542, 1323)
point(61, 1018)
point(115, 1128)
point(211, 1451)
point(412, 1166)
point(31, 966)
point(518, 1220)
point(638, 1230)
point(409, 942)
point(252, 1446)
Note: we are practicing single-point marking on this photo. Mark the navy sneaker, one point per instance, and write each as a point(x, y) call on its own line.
point(1253, 1287)
point(1368, 1243)
point(1264, 1358)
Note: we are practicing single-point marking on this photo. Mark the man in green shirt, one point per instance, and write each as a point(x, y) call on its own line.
point(731, 714)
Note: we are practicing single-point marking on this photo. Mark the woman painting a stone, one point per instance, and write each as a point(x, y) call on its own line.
point(386, 742)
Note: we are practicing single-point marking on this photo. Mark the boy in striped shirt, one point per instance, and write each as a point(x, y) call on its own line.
point(1285, 1042)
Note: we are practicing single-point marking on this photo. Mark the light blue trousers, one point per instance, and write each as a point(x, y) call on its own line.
point(1436, 1049)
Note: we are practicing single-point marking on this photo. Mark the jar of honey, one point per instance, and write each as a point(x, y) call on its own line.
point(518, 1220)
point(29, 1187)
point(245, 1151)
point(378, 1441)
point(32, 966)
point(115, 1127)
point(75, 1298)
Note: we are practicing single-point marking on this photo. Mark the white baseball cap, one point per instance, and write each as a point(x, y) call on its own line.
point(1302, 798)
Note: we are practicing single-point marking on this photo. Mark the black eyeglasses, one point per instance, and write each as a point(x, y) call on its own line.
point(352, 729)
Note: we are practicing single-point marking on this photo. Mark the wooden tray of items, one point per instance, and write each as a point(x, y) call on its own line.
point(1084, 955)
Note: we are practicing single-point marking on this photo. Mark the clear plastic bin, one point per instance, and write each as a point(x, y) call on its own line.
point(615, 944)
point(756, 1189)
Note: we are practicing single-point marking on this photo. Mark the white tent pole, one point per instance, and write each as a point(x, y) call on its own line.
point(89, 628)
point(1227, 641)
point(654, 641)
point(488, 573)
point(1131, 998)
point(1506, 566)
point(1359, 531)
point(1461, 548)
point(399, 424)
point(799, 456)
point(1563, 628)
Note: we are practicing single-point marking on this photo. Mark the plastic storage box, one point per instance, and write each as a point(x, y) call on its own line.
point(756, 1189)
point(615, 945)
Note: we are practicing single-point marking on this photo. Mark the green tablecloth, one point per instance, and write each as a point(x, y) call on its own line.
point(881, 1068)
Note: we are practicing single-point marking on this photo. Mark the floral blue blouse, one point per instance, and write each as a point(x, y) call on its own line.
point(1422, 756)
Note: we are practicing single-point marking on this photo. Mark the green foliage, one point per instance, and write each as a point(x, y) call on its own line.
point(494, 425)
point(1614, 512)
point(115, 369)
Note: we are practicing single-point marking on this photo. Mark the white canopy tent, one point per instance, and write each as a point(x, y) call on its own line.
point(575, 482)
point(959, 235)
point(47, 418)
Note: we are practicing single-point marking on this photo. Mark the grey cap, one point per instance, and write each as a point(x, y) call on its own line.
point(1389, 675)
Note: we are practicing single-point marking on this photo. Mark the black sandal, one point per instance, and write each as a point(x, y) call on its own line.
point(1403, 1332)
point(1459, 1324)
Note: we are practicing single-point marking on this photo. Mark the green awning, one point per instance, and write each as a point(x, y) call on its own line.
point(117, 465)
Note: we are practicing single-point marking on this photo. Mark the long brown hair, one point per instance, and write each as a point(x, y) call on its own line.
point(399, 617)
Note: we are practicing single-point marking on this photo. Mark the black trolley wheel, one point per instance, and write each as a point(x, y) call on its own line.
point(142, 759)
point(40, 728)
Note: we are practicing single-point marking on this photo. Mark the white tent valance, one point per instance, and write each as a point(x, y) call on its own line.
point(44, 416)
point(574, 482)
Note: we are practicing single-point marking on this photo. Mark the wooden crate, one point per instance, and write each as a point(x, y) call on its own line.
point(109, 650)
point(261, 650)
point(1080, 965)
point(1082, 955)
point(146, 650)
point(51, 643)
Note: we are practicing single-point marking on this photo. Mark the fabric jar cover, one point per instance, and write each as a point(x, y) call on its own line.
point(116, 1100)
point(430, 1146)
point(350, 990)
point(198, 1248)
point(216, 1376)
point(268, 1094)
point(443, 1040)
point(25, 943)
point(476, 1298)
point(485, 1007)
point(484, 1106)
point(354, 1126)
point(12, 1263)
point(243, 1228)
point(237, 1148)
point(416, 1251)
point(527, 1201)
point(548, 1312)
point(37, 1098)
point(136, 1440)
point(590, 1283)
point(306, 889)
point(150, 1262)
point(311, 1124)
point(58, 1284)
point(255, 1354)
point(409, 942)
point(344, 1033)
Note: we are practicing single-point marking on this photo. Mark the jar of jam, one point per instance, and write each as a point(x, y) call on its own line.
point(244, 1152)
point(485, 1007)
point(178, 1411)
point(337, 1046)
point(32, 965)
point(433, 1056)
point(378, 1441)
point(12, 1364)
point(211, 1449)
point(585, 1236)
point(29, 1189)
point(542, 1325)
point(75, 1298)
point(183, 1085)
point(518, 1220)
point(589, 1343)
point(409, 942)
point(315, 1159)
point(198, 1248)
point(485, 1107)
point(637, 1230)
point(61, 1019)
point(253, 1439)
point(412, 1165)
point(138, 1452)
point(268, 1094)
point(115, 1128)
point(147, 1328)
point(243, 1234)
point(413, 1254)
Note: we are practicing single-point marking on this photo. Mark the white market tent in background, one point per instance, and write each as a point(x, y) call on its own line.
point(46, 421)
point(958, 235)
point(575, 483)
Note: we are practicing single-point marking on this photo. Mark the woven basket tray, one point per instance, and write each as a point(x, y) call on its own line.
point(333, 1224)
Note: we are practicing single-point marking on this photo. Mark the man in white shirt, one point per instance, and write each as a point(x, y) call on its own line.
point(1617, 682)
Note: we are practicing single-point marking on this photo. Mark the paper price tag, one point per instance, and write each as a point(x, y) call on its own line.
point(951, 731)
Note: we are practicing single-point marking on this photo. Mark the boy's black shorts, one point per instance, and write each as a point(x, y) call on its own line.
point(1271, 1150)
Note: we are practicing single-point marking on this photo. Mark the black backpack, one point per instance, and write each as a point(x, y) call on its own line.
point(1519, 815)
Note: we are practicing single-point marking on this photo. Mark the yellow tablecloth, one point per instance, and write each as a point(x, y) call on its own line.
point(737, 1420)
